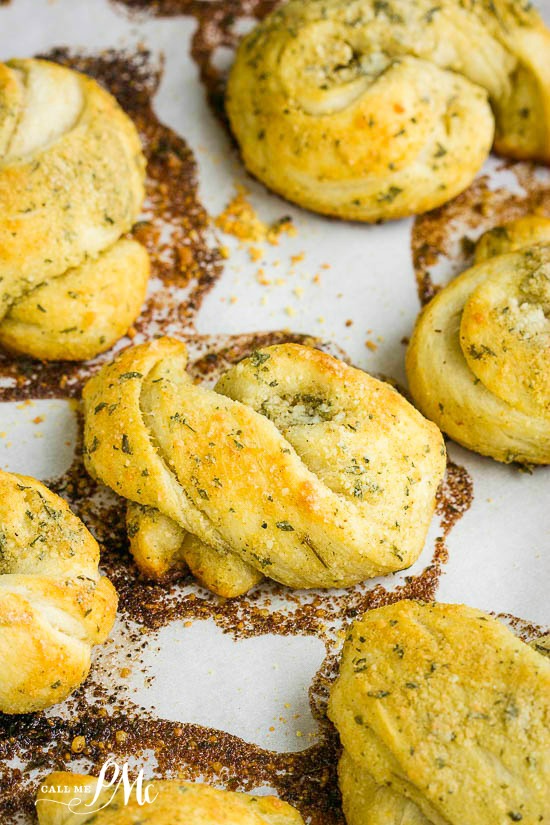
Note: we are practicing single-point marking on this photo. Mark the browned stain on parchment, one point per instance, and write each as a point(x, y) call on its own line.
point(217, 27)
point(450, 231)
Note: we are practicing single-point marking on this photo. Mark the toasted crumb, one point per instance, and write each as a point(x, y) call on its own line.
point(240, 219)
point(261, 278)
point(78, 744)
point(185, 257)
point(280, 227)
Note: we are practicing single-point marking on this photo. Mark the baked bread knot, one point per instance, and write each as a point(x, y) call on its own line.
point(296, 467)
point(71, 184)
point(444, 717)
point(479, 360)
point(54, 605)
point(372, 110)
point(171, 803)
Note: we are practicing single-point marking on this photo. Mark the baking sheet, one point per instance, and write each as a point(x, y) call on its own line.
point(235, 693)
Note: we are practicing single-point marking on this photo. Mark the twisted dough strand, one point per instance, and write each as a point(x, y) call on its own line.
point(372, 110)
point(71, 183)
point(54, 605)
point(479, 359)
point(297, 467)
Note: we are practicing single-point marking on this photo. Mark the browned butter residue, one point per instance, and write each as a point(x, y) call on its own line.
point(217, 27)
point(450, 231)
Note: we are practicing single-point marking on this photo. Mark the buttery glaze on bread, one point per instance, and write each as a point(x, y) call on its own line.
point(71, 184)
point(297, 467)
point(175, 803)
point(54, 605)
point(444, 716)
point(479, 361)
point(372, 110)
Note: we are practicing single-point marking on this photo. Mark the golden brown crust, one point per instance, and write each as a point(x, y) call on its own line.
point(54, 605)
point(523, 232)
point(297, 467)
point(369, 110)
point(444, 716)
point(176, 803)
point(71, 184)
point(83, 312)
point(365, 802)
point(479, 360)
